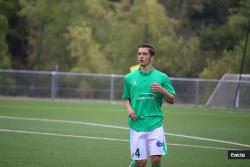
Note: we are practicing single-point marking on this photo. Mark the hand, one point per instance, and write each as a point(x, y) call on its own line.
point(130, 110)
point(155, 87)
point(169, 98)
point(132, 115)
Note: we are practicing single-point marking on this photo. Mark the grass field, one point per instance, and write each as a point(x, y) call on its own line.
point(39, 133)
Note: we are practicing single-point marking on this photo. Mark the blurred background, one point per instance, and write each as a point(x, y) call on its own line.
point(197, 39)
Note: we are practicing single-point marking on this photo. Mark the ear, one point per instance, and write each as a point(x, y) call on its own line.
point(152, 58)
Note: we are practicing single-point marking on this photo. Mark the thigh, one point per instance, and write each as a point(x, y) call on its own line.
point(138, 145)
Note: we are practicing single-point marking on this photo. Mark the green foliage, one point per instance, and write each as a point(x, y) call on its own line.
point(172, 50)
point(145, 20)
point(46, 40)
point(178, 57)
point(194, 38)
point(15, 33)
point(231, 58)
point(47, 37)
point(4, 55)
point(229, 62)
point(86, 50)
point(8, 8)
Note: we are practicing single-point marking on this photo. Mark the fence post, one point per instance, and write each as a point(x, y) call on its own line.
point(53, 85)
point(197, 92)
point(237, 93)
point(112, 89)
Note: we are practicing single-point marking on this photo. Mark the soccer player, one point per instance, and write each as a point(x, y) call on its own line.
point(144, 91)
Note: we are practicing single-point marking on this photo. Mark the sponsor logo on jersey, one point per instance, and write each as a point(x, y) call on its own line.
point(146, 96)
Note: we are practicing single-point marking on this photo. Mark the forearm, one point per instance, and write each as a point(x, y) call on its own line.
point(127, 105)
point(168, 97)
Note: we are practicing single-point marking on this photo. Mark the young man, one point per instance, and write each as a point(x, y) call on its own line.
point(144, 91)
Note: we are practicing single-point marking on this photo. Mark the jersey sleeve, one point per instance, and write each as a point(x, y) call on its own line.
point(126, 94)
point(168, 85)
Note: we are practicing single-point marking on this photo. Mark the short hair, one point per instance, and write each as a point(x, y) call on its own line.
point(147, 45)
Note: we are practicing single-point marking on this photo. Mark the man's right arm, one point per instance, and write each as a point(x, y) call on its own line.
point(130, 110)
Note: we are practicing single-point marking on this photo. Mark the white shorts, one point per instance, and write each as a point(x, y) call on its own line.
point(145, 144)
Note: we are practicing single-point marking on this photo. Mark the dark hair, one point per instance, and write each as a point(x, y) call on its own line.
point(147, 45)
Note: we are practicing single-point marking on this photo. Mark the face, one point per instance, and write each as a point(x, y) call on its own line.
point(144, 57)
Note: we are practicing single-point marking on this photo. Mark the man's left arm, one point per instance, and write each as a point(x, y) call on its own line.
point(168, 97)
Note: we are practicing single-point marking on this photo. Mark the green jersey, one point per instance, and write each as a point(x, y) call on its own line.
point(146, 103)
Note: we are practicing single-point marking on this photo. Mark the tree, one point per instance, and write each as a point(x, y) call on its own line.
point(16, 33)
point(232, 57)
point(4, 54)
point(188, 35)
point(86, 51)
point(50, 21)
point(148, 20)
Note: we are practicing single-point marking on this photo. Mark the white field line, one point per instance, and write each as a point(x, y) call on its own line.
point(102, 138)
point(120, 127)
point(207, 139)
point(59, 135)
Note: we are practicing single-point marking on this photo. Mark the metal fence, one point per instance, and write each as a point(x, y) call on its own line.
point(67, 85)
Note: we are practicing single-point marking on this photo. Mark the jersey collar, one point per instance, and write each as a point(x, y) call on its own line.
point(147, 72)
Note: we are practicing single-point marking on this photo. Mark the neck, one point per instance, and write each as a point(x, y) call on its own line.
point(146, 68)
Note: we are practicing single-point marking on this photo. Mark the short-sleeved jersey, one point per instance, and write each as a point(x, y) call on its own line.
point(146, 103)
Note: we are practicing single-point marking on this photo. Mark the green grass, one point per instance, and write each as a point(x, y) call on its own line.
point(48, 142)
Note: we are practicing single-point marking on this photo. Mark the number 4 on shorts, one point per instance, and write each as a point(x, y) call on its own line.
point(137, 152)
